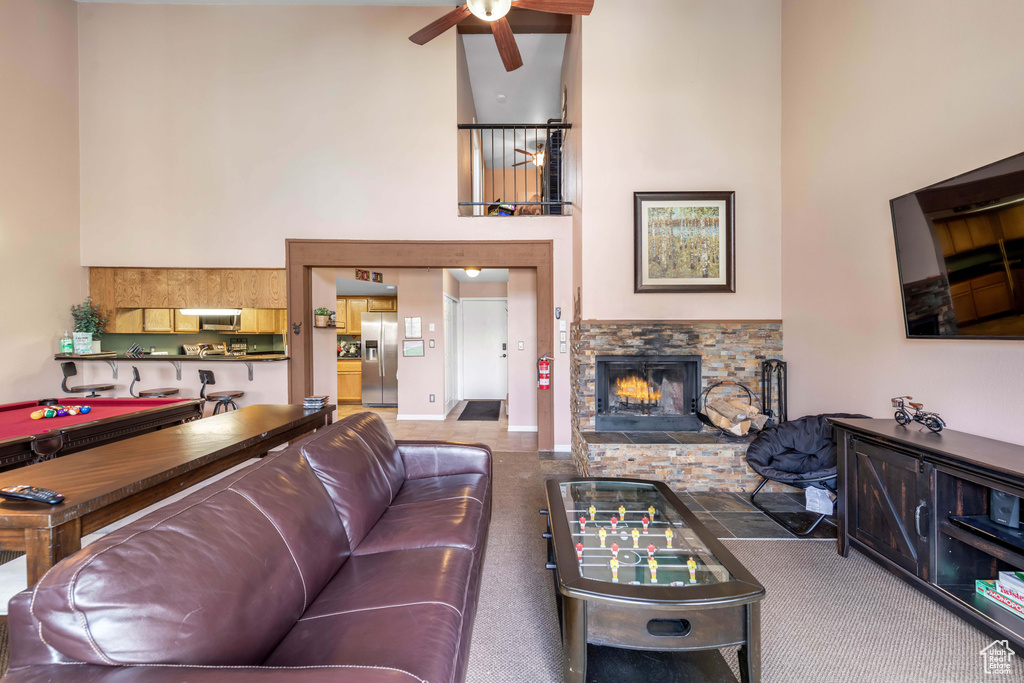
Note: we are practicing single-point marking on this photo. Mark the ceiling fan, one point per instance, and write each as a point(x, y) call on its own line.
point(536, 158)
point(494, 11)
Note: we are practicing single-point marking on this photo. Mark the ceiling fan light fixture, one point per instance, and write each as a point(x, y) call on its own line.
point(489, 10)
point(538, 158)
point(472, 272)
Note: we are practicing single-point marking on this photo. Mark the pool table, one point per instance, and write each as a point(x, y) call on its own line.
point(24, 440)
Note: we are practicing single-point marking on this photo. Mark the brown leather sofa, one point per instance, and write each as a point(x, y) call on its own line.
point(347, 557)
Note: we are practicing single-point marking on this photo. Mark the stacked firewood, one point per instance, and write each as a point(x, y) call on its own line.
point(735, 416)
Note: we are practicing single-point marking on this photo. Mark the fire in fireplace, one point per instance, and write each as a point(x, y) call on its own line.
point(640, 393)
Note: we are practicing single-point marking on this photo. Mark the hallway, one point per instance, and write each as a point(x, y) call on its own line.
point(494, 434)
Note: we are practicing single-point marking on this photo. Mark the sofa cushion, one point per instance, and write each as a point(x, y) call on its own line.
point(401, 609)
point(452, 487)
point(354, 475)
point(436, 575)
point(455, 523)
point(372, 430)
point(217, 578)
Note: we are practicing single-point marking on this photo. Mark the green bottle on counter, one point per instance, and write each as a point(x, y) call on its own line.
point(67, 344)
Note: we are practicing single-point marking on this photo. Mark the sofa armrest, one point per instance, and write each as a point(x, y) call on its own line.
point(440, 458)
point(165, 673)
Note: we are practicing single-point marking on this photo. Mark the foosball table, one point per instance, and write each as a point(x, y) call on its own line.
point(635, 569)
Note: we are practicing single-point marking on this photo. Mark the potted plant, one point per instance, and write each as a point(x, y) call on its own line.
point(322, 317)
point(90, 323)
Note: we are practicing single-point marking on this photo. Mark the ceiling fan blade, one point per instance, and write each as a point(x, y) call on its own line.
point(436, 28)
point(506, 42)
point(522, 163)
point(583, 7)
point(523, 151)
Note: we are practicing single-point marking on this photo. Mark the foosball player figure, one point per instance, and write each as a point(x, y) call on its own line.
point(636, 538)
point(583, 524)
point(650, 551)
point(668, 537)
point(592, 510)
point(615, 550)
point(622, 512)
point(653, 565)
point(646, 520)
point(615, 569)
point(615, 520)
point(692, 564)
point(650, 511)
point(603, 534)
point(579, 552)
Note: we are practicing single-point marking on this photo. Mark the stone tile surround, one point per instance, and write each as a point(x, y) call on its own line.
point(729, 350)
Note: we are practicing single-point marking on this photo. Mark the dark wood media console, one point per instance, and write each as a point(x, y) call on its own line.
point(909, 500)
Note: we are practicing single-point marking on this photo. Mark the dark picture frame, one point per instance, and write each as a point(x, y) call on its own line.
point(712, 215)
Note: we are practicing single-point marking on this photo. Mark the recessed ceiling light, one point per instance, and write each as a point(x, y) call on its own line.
point(472, 272)
point(502, 98)
point(390, 286)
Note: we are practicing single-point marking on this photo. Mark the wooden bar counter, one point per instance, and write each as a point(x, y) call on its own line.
point(102, 485)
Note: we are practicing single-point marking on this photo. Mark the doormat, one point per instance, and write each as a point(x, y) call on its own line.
point(481, 411)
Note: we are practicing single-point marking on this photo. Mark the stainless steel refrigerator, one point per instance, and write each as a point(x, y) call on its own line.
point(380, 359)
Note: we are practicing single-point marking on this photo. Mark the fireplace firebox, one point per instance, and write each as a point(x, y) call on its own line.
point(641, 393)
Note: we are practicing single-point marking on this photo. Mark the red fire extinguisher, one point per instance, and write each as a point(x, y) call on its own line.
point(544, 372)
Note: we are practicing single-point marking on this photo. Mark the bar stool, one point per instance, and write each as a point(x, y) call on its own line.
point(225, 399)
point(149, 393)
point(69, 370)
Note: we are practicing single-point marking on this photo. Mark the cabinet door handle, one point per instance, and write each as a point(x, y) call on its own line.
point(917, 519)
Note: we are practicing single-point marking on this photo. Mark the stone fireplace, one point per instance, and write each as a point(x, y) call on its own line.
point(635, 391)
point(647, 392)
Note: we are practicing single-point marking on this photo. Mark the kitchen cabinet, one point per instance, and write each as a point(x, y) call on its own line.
point(157, 320)
point(354, 309)
point(963, 302)
point(981, 229)
point(945, 240)
point(341, 316)
point(382, 303)
point(261, 321)
point(140, 288)
point(960, 234)
point(991, 294)
point(126, 321)
point(350, 381)
point(185, 323)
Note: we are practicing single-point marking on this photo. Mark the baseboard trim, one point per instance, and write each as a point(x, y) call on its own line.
point(562, 448)
point(521, 428)
point(420, 417)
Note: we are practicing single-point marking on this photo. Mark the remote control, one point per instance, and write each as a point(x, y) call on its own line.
point(32, 493)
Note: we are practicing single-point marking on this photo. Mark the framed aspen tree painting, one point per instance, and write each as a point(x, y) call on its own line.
point(684, 241)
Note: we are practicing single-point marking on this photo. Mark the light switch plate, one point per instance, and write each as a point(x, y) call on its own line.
point(431, 343)
point(430, 327)
point(561, 325)
point(522, 346)
point(432, 398)
point(561, 336)
point(561, 347)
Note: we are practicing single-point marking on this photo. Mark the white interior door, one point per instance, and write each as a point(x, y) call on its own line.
point(484, 348)
point(451, 353)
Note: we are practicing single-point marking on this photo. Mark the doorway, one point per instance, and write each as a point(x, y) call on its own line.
point(485, 348)
point(303, 255)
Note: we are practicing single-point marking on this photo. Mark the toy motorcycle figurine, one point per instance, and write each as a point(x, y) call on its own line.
point(930, 420)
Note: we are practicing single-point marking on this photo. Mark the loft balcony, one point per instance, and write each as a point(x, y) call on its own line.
point(512, 169)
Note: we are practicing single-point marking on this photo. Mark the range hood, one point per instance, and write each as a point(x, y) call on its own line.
point(215, 319)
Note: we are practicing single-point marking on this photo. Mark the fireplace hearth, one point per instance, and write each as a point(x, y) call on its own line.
point(648, 393)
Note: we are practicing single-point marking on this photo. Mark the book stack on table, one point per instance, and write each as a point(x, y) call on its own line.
point(1007, 591)
point(314, 402)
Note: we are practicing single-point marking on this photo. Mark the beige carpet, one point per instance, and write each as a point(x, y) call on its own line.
point(825, 618)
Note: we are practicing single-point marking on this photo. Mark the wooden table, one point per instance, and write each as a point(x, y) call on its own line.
point(101, 485)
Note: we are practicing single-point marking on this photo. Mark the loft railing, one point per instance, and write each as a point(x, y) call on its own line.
point(514, 169)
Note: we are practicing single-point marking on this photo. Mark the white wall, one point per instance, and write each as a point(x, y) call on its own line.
point(522, 365)
point(421, 294)
point(881, 98)
point(39, 270)
point(210, 134)
point(325, 341)
point(681, 95)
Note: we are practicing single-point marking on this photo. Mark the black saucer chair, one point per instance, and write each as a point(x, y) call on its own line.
point(800, 453)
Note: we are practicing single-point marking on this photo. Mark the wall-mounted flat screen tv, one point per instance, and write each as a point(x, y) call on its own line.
point(960, 248)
